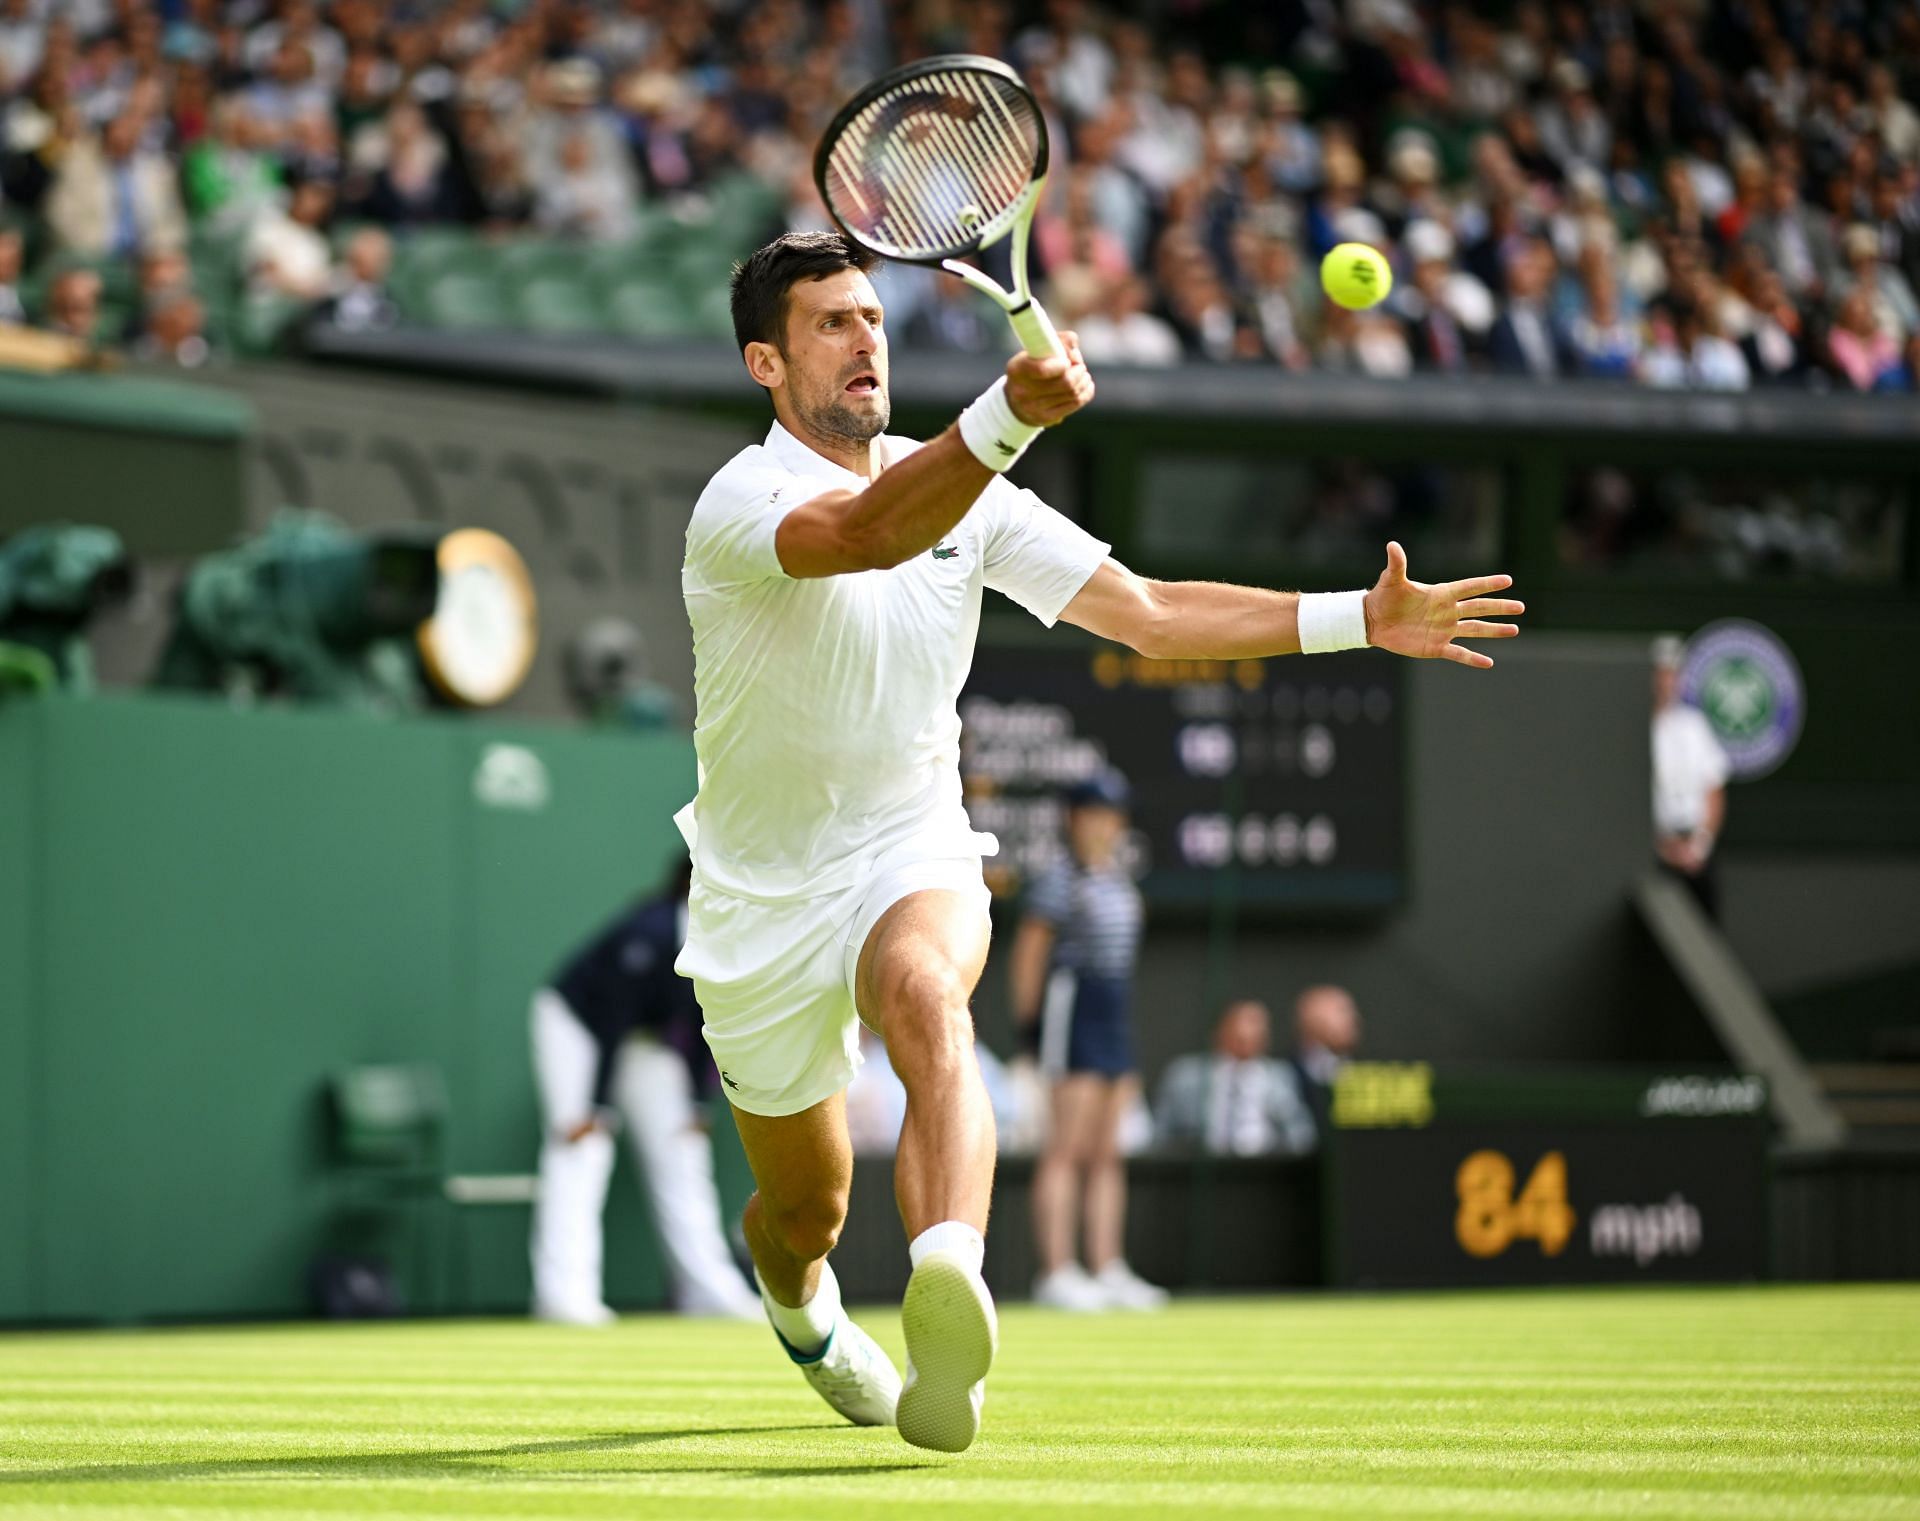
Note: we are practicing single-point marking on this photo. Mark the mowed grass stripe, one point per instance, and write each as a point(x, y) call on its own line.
point(1763, 1403)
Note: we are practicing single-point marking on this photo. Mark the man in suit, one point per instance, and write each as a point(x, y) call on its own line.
point(1524, 339)
point(1235, 1100)
point(1326, 1032)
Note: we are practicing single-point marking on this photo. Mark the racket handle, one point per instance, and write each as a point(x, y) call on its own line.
point(1034, 328)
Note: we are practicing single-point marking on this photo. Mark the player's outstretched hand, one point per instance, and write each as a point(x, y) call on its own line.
point(1412, 618)
point(1043, 392)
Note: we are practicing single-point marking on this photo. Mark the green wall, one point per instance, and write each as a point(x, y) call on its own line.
point(17, 783)
point(230, 905)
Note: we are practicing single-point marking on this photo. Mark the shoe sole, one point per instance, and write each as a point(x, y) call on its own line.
point(952, 1334)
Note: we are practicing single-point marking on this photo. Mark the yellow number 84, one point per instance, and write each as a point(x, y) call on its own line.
point(1490, 1219)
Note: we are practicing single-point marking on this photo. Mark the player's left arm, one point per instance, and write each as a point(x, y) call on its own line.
point(1213, 620)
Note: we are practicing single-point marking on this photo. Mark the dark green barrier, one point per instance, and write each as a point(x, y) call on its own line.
point(203, 912)
point(161, 462)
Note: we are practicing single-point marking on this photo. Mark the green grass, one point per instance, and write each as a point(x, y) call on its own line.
point(1742, 1404)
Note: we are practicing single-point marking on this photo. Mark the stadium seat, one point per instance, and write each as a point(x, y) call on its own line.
point(465, 300)
point(557, 304)
point(650, 309)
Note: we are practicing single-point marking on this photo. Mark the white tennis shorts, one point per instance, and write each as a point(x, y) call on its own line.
point(775, 978)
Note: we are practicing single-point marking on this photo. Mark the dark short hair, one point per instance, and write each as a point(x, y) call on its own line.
point(761, 283)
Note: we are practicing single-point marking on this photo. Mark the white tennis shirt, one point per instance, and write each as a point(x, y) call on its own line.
point(826, 722)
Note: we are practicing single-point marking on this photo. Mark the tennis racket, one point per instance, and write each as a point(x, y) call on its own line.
point(936, 161)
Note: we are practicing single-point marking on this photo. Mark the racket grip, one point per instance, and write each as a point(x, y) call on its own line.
point(1034, 328)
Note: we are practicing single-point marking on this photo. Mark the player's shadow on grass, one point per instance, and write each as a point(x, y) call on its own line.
point(465, 1462)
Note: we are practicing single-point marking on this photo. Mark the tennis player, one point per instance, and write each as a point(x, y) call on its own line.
point(833, 579)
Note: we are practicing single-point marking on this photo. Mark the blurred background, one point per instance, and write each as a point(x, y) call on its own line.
point(360, 365)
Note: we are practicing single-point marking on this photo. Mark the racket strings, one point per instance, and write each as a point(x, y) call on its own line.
point(934, 163)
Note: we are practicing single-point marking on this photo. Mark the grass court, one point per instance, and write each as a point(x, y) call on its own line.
point(1745, 1404)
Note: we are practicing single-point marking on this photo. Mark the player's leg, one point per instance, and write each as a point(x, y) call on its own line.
point(914, 981)
point(802, 1171)
point(1076, 1106)
point(576, 1162)
point(654, 1091)
point(915, 974)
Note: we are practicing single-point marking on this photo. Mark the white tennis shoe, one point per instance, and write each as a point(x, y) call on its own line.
point(852, 1373)
point(1070, 1288)
point(952, 1334)
point(1127, 1290)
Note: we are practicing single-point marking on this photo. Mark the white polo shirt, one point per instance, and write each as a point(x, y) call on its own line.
point(1688, 764)
point(826, 724)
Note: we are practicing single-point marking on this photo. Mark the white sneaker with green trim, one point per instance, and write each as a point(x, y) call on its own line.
point(852, 1373)
point(952, 1334)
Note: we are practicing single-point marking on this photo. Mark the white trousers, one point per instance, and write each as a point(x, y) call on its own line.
point(653, 1092)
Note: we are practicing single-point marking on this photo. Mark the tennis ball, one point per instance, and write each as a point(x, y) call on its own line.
point(1356, 276)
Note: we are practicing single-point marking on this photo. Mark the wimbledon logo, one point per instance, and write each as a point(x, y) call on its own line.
point(1749, 685)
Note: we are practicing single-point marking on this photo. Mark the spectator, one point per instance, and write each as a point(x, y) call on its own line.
point(114, 198)
point(1796, 239)
point(582, 199)
point(952, 320)
point(1365, 343)
point(1120, 330)
point(288, 88)
point(1690, 353)
point(1892, 297)
point(1238, 1100)
point(1864, 354)
point(22, 41)
point(1437, 336)
point(1274, 291)
point(1775, 345)
point(229, 176)
point(401, 174)
point(173, 331)
point(12, 260)
point(360, 301)
point(286, 251)
point(73, 305)
point(1524, 339)
point(1600, 343)
point(1326, 1033)
point(1689, 782)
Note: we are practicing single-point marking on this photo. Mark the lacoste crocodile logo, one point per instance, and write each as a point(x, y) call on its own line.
point(946, 551)
point(1006, 449)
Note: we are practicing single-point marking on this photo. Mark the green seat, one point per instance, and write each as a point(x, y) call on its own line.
point(462, 300)
point(389, 1119)
point(387, 1135)
point(651, 309)
point(262, 324)
point(557, 304)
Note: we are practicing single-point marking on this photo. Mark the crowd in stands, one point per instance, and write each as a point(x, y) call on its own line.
point(1685, 193)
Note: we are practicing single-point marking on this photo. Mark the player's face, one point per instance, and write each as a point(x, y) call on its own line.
point(836, 357)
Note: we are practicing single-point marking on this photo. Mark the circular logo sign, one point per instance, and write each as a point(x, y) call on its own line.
point(1749, 685)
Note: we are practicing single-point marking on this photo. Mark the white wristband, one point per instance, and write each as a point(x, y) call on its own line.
point(991, 431)
point(1332, 621)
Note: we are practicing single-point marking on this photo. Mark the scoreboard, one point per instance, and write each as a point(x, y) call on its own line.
point(1279, 778)
point(1442, 1178)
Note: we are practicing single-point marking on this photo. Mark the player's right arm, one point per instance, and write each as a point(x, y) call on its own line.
point(914, 504)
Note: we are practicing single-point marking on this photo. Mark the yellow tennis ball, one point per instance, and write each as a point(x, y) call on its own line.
point(1356, 276)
